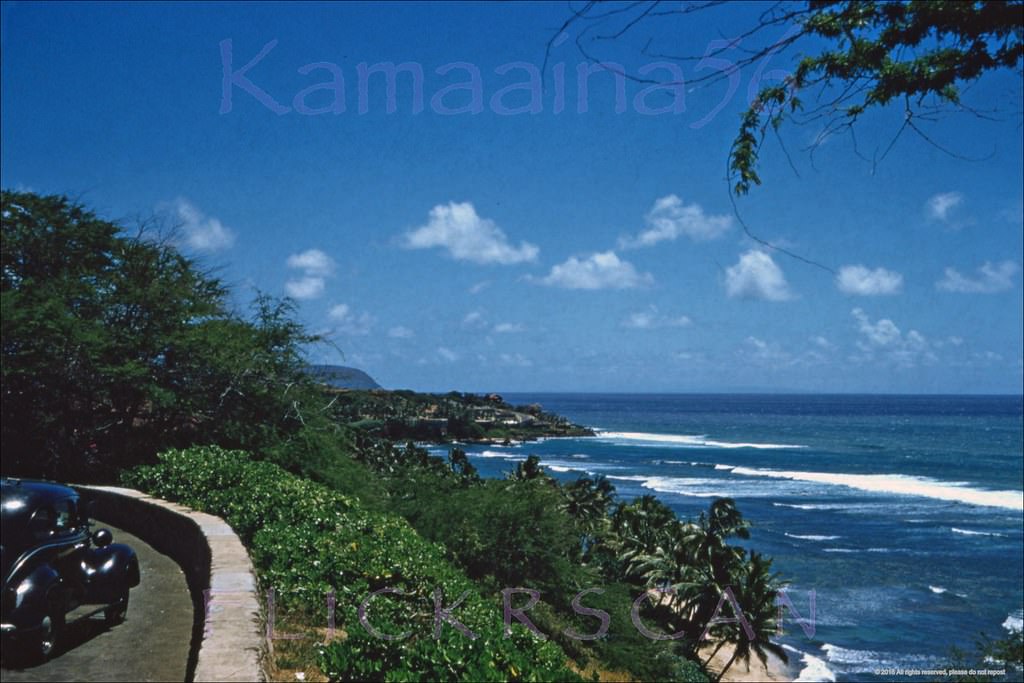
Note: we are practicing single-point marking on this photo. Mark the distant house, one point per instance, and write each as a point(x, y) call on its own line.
point(484, 414)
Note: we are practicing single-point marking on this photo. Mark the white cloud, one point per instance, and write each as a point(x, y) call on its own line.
point(880, 334)
point(305, 288)
point(991, 278)
point(479, 287)
point(822, 343)
point(508, 328)
point(515, 359)
point(670, 218)
point(652, 319)
point(475, 320)
point(940, 207)
point(884, 337)
point(199, 231)
point(1014, 212)
point(604, 270)
point(756, 276)
point(316, 266)
point(447, 354)
point(401, 332)
point(313, 261)
point(765, 352)
point(862, 281)
point(348, 322)
point(467, 236)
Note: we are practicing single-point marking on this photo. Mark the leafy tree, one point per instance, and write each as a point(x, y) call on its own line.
point(528, 469)
point(857, 56)
point(990, 653)
point(116, 345)
point(461, 466)
point(640, 528)
point(91, 322)
point(587, 502)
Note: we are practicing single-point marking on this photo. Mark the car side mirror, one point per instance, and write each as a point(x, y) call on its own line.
point(103, 538)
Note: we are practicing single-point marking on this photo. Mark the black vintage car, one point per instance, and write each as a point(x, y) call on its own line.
point(52, 565)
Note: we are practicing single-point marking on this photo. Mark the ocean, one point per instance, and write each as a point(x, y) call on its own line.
point(902, 515)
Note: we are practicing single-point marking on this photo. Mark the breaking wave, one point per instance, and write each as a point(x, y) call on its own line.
point(901, 484)
point(811, 537)
point(688, 441)
point(968, 532)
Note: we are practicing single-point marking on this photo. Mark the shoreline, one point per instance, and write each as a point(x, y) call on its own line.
point(746, 672)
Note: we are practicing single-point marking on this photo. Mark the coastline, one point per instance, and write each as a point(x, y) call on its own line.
point(740, 672)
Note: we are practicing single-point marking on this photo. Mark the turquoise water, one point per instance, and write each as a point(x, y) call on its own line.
point(903, 514)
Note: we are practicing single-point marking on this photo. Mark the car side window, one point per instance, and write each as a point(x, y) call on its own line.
point(41, 524)
point(64, 520)
point(55, 519)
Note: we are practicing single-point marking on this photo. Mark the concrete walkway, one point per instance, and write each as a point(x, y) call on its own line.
point(151, 645)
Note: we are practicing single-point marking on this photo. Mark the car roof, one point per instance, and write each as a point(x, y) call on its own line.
point(24, 495)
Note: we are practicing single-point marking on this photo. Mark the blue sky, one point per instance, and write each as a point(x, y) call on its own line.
point(468, 247)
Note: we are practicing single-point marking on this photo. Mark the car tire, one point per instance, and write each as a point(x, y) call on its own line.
point(51, 628)
point(118, 610)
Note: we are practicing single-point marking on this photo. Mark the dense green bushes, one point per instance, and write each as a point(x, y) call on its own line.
point(531, 531)
point(307, 540)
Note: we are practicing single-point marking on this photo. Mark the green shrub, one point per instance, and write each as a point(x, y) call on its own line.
point(306, 541)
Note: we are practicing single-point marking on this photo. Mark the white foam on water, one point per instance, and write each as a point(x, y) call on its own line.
point(498, 454)
point(811, 537)
point(968, 532)
point(814, 669)
point(806, 506)
point(938, 590)
point(839, 550)
point(849, 657)
point(900, 484)
point(682, 486)
point(1014, 622)
point(687, 486)
point(685, 440)
point(862, 661)
point(558, 468)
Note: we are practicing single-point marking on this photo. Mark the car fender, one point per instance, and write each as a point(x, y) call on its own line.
point(27, 598)
point(110, 571)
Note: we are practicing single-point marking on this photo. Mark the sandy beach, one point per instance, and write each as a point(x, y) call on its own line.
point(777, 670)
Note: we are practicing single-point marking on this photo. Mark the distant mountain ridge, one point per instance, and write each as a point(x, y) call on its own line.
point(342, 377)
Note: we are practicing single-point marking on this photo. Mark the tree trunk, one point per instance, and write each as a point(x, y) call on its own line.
point(717, 648)
point(725, 668)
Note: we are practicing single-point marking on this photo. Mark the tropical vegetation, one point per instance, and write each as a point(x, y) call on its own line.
point(124, 360)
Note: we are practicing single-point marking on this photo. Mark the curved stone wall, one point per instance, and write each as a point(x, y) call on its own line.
point(227, 640)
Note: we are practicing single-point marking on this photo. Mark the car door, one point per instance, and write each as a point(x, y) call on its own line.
point(56, 528)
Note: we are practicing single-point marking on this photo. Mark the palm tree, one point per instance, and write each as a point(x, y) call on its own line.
point(461, 466)
point(527, 470)
point(587, 501)
point(640, 528)
point(695, 561)
point(756, 592)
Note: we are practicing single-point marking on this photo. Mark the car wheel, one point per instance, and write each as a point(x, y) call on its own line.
point(50, 630)
point(118, 610)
